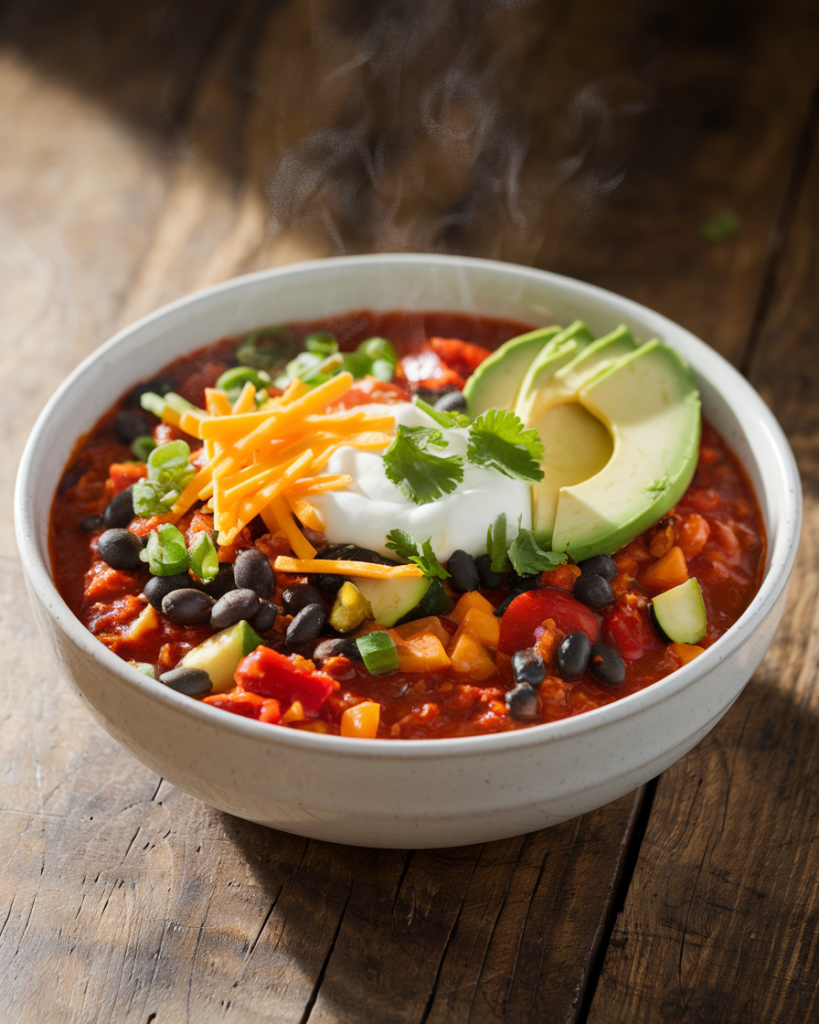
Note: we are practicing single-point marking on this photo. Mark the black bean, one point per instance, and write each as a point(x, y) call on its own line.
point(159, 386)
point(120, 509)
point(328, 582)
point(120, 549)
point(453, 401)
point(88, 524)
point(464, 572)
point(265, 618)
point(158, 587)
point(223, 583)
point(252, 571)
point(298, 597)
point(188, 607)
point(129, 425)
point(600, 565)
point(528, 667)
point(342, 647)
point(233, 607)
point(606, 665)
point(306, 626)
point(572, 655)
point(489, 579)
point(72, 477)
point(517, 585)
point(193, 682)
point(523, 703)
point(521, 584)
point(593, 591)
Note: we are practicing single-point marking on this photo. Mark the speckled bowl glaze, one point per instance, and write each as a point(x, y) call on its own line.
point(385, 793)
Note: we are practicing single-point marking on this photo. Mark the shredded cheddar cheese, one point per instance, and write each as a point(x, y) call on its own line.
point(341, 568)
point(267, 461)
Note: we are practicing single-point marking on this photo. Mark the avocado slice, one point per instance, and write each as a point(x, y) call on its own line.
point(563, 348)
point(650, 405)
point(221, 653)
point(576, 444)
point(392, 599)
point(495, 383)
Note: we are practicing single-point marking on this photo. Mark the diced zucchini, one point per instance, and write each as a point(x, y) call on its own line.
point(378, 652)
point(350, 609)
point(678, 614)
point(220, 654)
point(393, 599)
point(434, 602)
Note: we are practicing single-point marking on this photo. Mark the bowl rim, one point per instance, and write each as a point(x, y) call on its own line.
point(782, 546)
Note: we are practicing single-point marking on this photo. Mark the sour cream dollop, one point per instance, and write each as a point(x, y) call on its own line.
point(364, 512)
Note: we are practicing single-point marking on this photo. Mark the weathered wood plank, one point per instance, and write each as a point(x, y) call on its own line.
point(721, 918)
point(80, 188)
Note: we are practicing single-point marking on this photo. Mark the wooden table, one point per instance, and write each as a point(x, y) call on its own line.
point(149, 149)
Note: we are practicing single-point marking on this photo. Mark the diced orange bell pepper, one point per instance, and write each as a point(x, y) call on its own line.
point(686, 652)
point(361, 721)
point(429, 624)
point(471, 658)
point(670, 571)
point(421, 653)
point(471, 599)
point(484, 627)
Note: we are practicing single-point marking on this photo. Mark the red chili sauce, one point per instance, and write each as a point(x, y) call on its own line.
point(715, 533)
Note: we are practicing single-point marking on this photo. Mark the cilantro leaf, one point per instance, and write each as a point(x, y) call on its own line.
point(444, 419)
point(499, 439)
point(497, 545)
point(528, 557)
point(418, 473)
point(408, 547)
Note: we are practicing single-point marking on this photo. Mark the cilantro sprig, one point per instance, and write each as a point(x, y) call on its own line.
point(523, 554)
point(499, 439)
point(408, 547)
point(444, 419)
point(420, 474)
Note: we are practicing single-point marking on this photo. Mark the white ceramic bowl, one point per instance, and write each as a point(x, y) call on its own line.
point(391, 793)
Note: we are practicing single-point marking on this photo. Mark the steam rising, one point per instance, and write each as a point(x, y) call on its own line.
point(444, 127)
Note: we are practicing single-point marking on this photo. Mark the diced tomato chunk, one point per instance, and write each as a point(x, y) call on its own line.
point(630, 631)
point(123, 474)
point(461, 356)
point(270, 674)
point(530, 610)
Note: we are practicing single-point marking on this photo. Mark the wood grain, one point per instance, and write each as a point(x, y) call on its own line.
point(721, 919)
point(159, 148)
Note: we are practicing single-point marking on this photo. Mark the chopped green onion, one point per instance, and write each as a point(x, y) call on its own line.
point(141, 447)
point(266, 347)
point(321, 344)
point(169, 473)
point(166, 553)
point(204, 558)
point(236, 378)
point(378, 652)
point(144, 667)
point(157, 404)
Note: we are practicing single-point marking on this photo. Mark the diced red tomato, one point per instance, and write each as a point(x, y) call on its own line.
point(461, 356)
point(270, 674)
point(371, 390)
point(629, 630)
point(123, 474)
point(563, 577)
point(530, 610)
